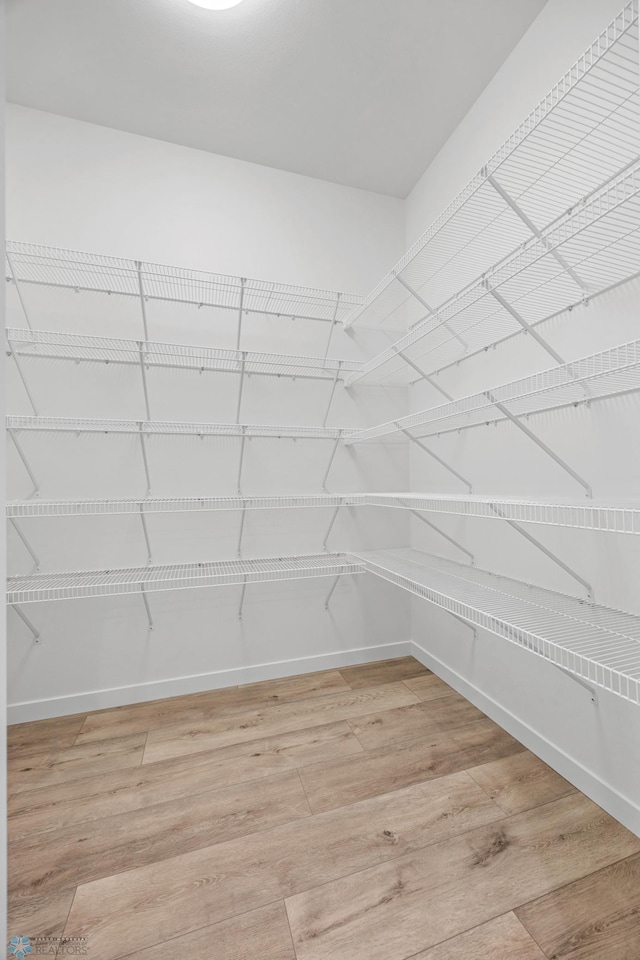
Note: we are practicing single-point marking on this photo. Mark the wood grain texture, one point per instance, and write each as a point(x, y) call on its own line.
point(396, 909)
point(41, 915)
point(502, 939)
point(261, 934)
point(187, 737)
point(331, 785)
point(382, 671)
point(120, 791)
point(378, 730)
point(43, 768)
point(57, 732)
point(78, 854)
point(212, 884)
point(520, 782)
point(429, 687)
point(594, 918)
point(120, 721)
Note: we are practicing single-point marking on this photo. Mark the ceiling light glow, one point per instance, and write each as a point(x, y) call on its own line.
point(216, 4)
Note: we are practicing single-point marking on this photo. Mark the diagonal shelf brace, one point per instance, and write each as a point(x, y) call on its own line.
point(330, 528)
point(438, 459)
point(330, 464)
point(142, 300)
point(240, 309)
point(244, 588)
point(25, 462)
point(146, 533)
point(146, 605)
point(14, 354)
point(430, 309)
point(331, 395)
point(567, 673)
point(532, 436)
point(552, 556)
point(241, 531)
point(241, 460)
point(446, 536)
point(334, 320)
point(421, 373)
point(26, 621)
point(26, 543)
point(243, 362)
point(143, 373)
point(143, 448)
point(18, 290)
point(523, 323)
point(330, 594)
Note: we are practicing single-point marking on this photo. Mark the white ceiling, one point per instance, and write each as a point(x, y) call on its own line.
point(358, 92)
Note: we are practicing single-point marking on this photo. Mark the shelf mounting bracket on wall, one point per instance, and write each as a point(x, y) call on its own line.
point(241, 461)
point(26, 543)
point(146, 605)
point(144, 455)
point(25, 462)
point(330, 594)
point(13, 354)
point(240, 309)
point(529, 433)
point(243, 361)
point(142, 300)
point(241, 531)
point(438, 459)
point(330, 464)
point(572, 676)
point(244, 588)
point(446, 536)
point(144, 379)
point(146, 533)
point(331, 395)
point(421, 373)
point(18, 290)
point(330, 528)
point(552, 556)
point(26, 621)
point(332, 324)
point(429, 309)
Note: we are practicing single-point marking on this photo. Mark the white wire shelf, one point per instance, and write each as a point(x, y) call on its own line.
point(591, 515)
point(596, 643)
point(606, 374)
point(77, 347)
point(103, 583)
point(30, 263)
point(177, 428)
point(593, 247)
point(583, 132)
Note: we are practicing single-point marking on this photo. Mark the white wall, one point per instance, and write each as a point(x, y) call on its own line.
point(594, 745)
point(85, 187)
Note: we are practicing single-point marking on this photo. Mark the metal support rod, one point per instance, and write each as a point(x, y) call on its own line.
point(146, 533)
point(244, 437)
point(519, 212)
point(142, 301)
point(333, 520)
point(330, 594)
point(438, 459)
point(446, 536)
point(240, 309)
point(18, 290)
point(36, 488)
point(540, 443)
point(577, 679)
point(144, 380)
point(465, 623)
point(146, 606)
point(241, 531)
point(244, 587)
point(22, 376)
point(525, 533)
point(144, 456)
point(329, 465)
point(423, 375)
point(333, 390)
point(25, 620)
point(332, 325)
point(241, 385)
point(523, 323)
point(26, 543)
point(430, 309)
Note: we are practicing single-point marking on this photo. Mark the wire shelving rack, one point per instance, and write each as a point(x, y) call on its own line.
point(175, 428)
point(597, 644)
point(582, 133)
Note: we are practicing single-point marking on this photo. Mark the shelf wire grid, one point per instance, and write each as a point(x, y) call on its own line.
point(176, 428)
point(53, 267)
point(103, 583)
point(599, 644)
point(77, 508)
point(68, 346)
point(609, 373)
point(598, 242)
point(583, 132)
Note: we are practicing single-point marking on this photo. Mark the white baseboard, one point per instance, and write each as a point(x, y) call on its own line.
point(179, 686)
point(619, 806)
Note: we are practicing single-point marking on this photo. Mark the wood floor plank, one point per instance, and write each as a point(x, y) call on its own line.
point(262, 934)
point(119, 791)
point(188, 737)
point(378, 730)
point(222, 881)
point(330, 785)
point(382, 671)
point(428, 686)
point(138, 717)
point(57, 732)
point(501, 939)
point(521, 782)
point(594, 918)
point(42, 915)
point(36, 769)
point(394, 910)
point(78, 854)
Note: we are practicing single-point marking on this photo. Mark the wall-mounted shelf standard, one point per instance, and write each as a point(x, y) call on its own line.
point(591, 248)
point(595, 644)
point(68, 346)
point(584, 131)
point(606, 374)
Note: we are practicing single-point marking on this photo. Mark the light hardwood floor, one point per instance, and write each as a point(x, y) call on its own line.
point(369, 813)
